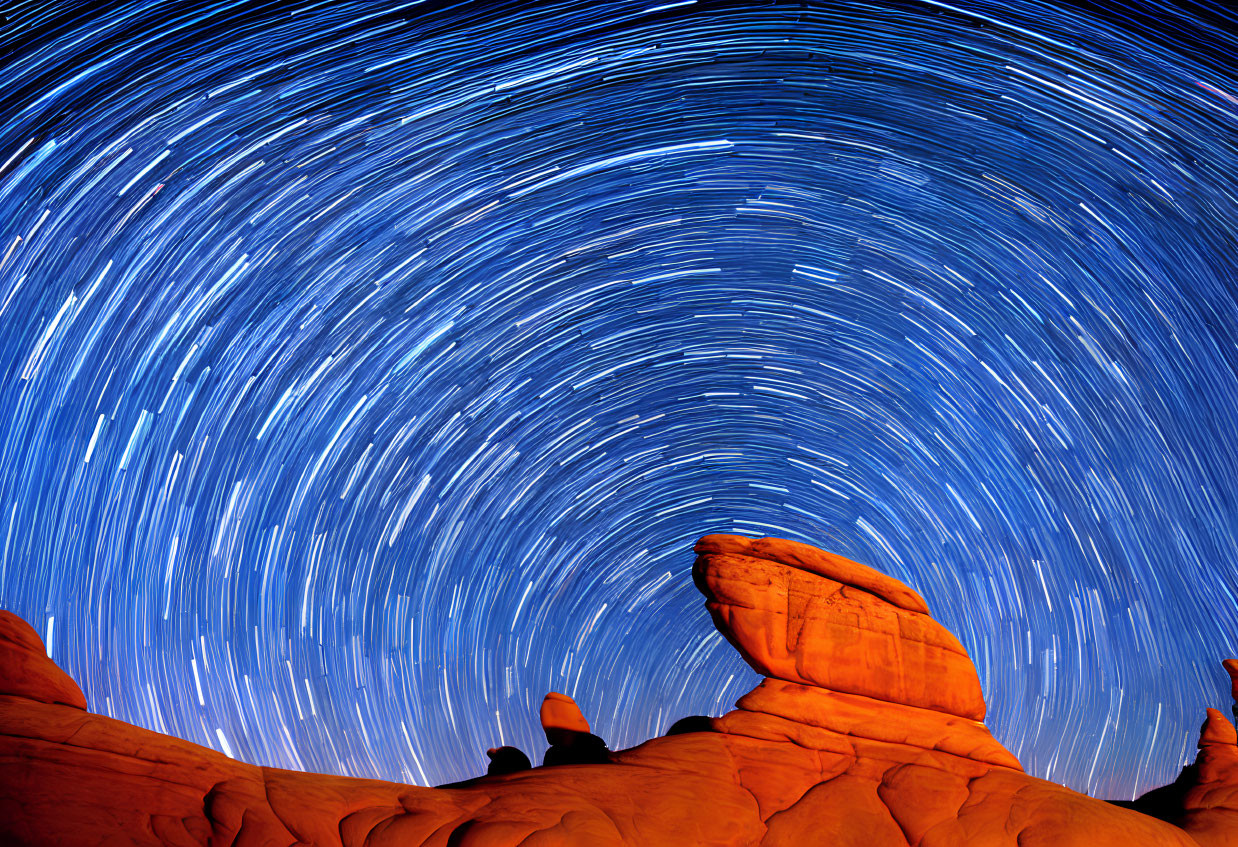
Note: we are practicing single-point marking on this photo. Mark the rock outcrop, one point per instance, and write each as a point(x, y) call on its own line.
point(866, 731)
point(571, 742)
point(26, 671)
point(505, 760)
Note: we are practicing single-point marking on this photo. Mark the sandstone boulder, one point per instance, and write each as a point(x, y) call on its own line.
point(561, 718)
point(802, 615)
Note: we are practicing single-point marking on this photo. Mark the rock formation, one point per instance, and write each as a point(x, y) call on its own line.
point(1231, 667)
point(505, 760)
point(866, 731)
point(571, 742)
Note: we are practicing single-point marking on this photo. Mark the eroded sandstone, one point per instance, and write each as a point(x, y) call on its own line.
point(866, 731)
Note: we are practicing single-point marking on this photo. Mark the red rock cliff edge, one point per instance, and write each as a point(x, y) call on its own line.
point(865, 731)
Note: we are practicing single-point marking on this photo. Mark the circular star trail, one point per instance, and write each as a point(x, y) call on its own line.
point(367, 371)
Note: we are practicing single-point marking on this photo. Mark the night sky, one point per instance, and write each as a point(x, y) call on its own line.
point(368, 370)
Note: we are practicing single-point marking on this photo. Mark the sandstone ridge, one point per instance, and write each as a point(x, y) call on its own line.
point(867, 730)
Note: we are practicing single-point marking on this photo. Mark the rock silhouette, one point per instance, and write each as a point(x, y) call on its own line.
point(866, 731)
point(692, 723)
point(1231, 667)
point(505, 760)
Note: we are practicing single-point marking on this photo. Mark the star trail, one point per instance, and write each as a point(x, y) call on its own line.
point(368, 370)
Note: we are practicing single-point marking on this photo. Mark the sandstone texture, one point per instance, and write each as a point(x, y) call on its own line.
point(866, 732)
point(25, 669)
point(561, 717)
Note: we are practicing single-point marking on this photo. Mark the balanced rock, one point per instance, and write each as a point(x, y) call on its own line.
point(571, 742)
point(561, 718)
point(802, 615)
point(866, 731)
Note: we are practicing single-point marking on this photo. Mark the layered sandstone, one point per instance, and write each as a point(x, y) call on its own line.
point(866, 731)
point(806, 616)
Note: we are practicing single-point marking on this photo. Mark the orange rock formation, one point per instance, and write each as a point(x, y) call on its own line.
point(866, 731)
